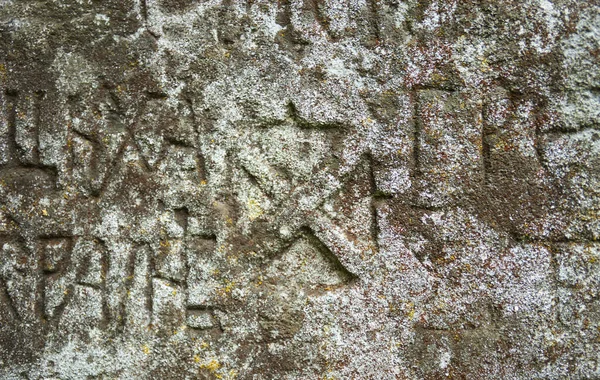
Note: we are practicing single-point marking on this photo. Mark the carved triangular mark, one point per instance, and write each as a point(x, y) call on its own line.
point(309, 263)
point(130, 169)
point(87, 306)
point(97, 138)
point(58, 276)
point(155, 119)
point(267, 178)
point(348, 219)
point(328, 259)
point(6, 300)
point(18, 280)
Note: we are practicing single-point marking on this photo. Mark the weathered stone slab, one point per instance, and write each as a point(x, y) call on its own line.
point(299, 189)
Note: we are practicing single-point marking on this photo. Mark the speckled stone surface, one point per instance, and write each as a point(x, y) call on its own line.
point(299, 189)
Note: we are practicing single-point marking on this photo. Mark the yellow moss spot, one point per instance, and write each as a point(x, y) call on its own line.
point(212, 366)
point(174, 292)
point(411, 311)
point(392, 308)
point(204, 345)
point(254, 209)
point(485, 65)
point(367, 121)
point(66, 196)
point(44, 212)
point(438, 77)
point(165, 243)
point(145, 349)
point(203, 182)
point(229, 286)
point(196, 359)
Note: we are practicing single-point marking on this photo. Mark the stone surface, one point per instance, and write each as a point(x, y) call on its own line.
point(299, 189)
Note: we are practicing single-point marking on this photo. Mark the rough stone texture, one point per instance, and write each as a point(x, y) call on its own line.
point(299, 189)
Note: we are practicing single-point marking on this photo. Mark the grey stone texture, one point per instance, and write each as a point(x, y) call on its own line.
point(299, 189)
